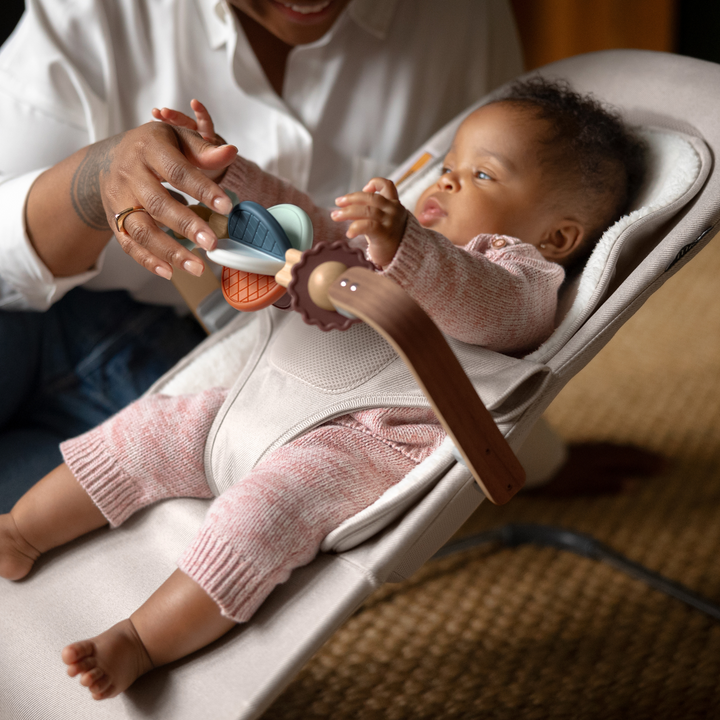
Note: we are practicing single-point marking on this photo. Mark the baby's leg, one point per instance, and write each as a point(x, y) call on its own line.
point(53, 512)
point(150, 451)
point(177, 619)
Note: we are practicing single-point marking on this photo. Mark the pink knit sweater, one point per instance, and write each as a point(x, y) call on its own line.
point(496, 291)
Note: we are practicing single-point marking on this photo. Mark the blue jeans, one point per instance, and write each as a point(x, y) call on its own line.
point(64, 371)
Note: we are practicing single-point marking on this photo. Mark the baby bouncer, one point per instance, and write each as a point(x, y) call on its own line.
point(673, 100)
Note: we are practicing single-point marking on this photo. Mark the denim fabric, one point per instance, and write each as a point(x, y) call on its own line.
point(64, 371)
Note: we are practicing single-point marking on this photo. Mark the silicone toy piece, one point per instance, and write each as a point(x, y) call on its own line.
point(253, 252)
point(252, 225)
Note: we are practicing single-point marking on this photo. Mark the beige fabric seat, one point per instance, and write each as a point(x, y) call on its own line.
point(81, 589)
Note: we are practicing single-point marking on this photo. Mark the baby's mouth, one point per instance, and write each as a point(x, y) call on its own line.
point(430, 212)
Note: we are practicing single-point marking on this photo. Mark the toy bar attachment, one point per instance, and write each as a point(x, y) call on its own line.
point(307, 277)
point(387, 308)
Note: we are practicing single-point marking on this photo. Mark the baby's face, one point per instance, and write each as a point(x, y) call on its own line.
point(491, 181)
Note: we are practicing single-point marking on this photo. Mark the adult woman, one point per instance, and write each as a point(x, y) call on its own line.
point(325, 93)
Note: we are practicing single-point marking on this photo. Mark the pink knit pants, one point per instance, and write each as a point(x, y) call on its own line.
point(272, 520)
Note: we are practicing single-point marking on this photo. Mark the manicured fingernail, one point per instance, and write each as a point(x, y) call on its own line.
point(195, 268)
point(339, 199)
point(222, 204)
point(336, 213)
point(163, 272)
point(204, 240)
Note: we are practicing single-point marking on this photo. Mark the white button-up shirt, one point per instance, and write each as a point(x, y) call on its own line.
point(354, 104)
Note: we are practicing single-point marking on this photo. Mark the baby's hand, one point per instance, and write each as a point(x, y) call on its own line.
point(202, 124)
point(375, 212)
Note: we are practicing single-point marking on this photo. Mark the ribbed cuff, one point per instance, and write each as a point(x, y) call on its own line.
point(409, 257)
point(107, 484)
point(230, 580)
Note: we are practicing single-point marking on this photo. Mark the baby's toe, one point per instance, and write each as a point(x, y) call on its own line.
point(93, 677)
point(84, 665)
point(108, 692)
point(76, 651)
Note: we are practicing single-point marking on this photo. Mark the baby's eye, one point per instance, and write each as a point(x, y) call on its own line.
point(482, 175)
point(444, 170)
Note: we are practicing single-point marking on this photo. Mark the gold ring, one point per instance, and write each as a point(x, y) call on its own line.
point(120, 217)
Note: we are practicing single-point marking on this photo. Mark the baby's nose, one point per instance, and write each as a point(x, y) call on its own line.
point(448, 181)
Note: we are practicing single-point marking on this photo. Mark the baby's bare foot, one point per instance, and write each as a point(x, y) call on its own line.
point(109, 663)
point(16, 555)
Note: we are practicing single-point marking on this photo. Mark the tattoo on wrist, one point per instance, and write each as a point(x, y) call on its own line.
point(85, 188)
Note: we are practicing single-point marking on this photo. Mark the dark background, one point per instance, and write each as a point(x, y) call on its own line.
point(9, 15)
point(696, 26)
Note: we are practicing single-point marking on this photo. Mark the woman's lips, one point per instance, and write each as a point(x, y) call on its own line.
point(305, 12)
point(430, 212)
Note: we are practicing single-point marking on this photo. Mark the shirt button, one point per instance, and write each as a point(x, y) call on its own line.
point(499, 242)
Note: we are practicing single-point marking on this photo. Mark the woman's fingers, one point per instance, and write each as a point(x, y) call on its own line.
point(160, 205)
point(138, 163)
point(152, 248)
point(142, 161)
point(180, 160)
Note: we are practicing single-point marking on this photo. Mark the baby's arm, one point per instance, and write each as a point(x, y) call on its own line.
point(502, 298)
point(249, 182)
point(496, 291)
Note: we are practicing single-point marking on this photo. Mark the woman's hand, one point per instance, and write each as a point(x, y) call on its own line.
point(375, 212)
point(121, 173)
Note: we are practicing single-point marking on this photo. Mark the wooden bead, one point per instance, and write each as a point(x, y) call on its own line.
point(321, 278)
point(202, 211)
point(218, 224)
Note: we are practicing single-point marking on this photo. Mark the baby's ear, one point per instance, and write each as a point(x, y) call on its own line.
point(562, 241)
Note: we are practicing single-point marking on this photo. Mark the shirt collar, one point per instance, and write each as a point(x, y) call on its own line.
point(373, 16)
point(217, 19)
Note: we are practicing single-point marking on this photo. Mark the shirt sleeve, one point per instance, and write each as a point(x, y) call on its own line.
point(44, 105)
point(496, 291)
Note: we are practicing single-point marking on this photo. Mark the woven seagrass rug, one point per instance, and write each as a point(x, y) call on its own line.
point(536, 632)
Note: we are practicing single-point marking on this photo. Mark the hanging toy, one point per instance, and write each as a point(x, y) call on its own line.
point(268, 258)
point(252, 243)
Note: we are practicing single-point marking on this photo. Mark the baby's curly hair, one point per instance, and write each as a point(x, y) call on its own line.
point(596, 159)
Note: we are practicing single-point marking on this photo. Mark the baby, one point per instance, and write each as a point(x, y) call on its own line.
point(529, 185)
